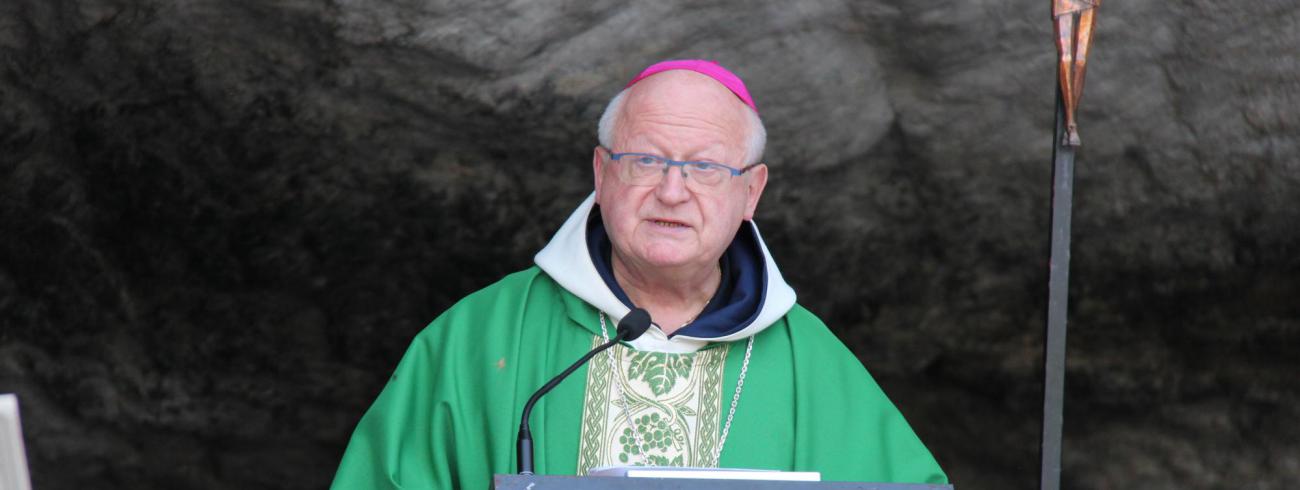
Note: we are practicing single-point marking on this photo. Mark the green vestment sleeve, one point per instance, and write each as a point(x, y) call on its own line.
point(449, 415)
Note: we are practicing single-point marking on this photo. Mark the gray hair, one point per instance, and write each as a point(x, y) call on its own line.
point(754, 144)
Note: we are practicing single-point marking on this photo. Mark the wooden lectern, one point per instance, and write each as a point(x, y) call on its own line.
point(538, 482)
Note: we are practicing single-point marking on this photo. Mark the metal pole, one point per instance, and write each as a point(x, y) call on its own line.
point(1058, 288)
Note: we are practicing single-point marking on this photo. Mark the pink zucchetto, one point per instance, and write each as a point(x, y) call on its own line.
point(710, 68)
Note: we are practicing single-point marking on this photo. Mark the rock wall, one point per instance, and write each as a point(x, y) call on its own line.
point(223, 220)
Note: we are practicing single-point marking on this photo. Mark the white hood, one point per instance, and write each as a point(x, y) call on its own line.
point(567, 260)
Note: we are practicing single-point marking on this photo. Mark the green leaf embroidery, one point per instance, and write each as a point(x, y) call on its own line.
point(660, 371)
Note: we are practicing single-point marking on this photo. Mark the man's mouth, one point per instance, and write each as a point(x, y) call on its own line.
point(669, 224)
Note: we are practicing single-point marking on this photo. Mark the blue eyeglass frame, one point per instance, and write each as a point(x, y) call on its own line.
point(669, 163)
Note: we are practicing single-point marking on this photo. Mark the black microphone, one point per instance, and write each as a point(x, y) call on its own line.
point(629, 328)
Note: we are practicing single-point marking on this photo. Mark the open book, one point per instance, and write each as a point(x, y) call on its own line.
point(13, 458)
point(704, 473)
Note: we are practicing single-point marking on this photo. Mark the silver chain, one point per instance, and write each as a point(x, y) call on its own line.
point(735, 399)
point(636, 435)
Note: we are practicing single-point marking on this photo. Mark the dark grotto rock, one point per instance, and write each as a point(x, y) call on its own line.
point(221, 222)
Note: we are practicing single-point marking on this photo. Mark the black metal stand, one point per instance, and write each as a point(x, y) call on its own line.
point(1058, 289)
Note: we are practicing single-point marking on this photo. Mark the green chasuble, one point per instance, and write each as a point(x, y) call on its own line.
point(449, 415)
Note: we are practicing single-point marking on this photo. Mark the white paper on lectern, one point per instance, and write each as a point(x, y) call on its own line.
point(704, 473)
point(13, 458)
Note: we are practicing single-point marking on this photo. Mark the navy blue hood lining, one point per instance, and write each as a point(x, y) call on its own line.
point(740, 294)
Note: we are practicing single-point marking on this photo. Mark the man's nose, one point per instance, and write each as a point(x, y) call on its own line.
point(672, 188)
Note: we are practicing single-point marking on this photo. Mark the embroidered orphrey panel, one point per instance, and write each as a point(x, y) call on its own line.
point(674, 400)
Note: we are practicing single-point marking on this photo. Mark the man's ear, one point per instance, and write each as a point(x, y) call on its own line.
point(754, 185)
point(597, 165)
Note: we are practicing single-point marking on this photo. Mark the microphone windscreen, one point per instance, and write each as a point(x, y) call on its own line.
point(634, 323)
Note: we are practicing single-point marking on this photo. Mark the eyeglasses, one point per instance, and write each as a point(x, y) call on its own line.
point(647, 169)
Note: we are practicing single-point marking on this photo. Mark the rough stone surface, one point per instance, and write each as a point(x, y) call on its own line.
point(222, 220)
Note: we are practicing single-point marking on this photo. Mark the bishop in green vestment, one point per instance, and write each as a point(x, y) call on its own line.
point(732, 373)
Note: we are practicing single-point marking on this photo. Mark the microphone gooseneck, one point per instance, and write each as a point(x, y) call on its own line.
point(635, 323)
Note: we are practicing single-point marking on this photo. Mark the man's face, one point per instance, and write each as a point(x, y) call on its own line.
point(681, 115)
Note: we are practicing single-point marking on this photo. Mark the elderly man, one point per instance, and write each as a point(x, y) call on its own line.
point(732, 372)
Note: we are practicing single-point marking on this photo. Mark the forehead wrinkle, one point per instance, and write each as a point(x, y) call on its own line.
point(708, 147)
